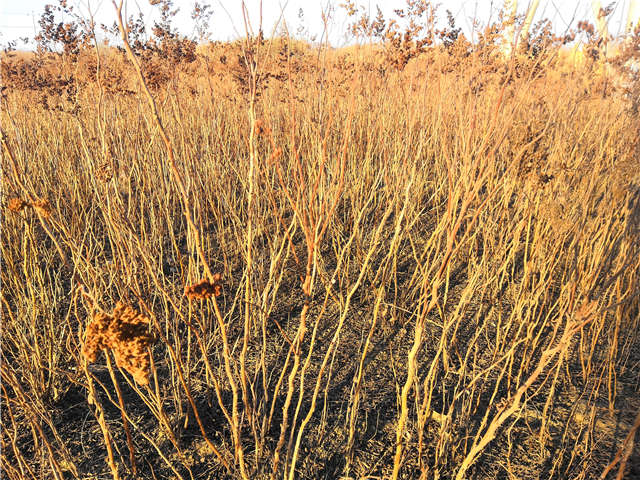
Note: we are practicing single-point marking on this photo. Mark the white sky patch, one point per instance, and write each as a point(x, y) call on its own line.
point(17, 18)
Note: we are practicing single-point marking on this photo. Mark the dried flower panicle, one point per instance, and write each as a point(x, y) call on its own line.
point(204, 288)
point(95, 336)
point(125, 332)
point(17, 204)
point(42, 207)
point(261, 128)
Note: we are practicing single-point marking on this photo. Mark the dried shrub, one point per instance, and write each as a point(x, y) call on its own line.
point(55, 35)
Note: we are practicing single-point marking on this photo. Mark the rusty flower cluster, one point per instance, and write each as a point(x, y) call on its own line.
point(42, 207)
point(125, 332)
point(204, 288)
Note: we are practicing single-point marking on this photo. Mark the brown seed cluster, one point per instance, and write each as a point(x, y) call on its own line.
point(17, 204)
point(125, 332)
point(43, 207)
point(261, 128)
point(204, 288)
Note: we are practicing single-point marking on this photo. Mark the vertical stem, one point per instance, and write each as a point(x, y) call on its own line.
point(125, 423)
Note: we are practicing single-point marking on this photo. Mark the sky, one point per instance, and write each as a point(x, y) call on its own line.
point(20, 18)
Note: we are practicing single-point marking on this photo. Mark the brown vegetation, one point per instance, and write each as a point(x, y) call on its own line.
point(430, 257)
point(126, 334)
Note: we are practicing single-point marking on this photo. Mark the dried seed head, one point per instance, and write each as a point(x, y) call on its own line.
point(125, 332)
point(544, 178)
point(42, 207)
point(96, 335)
point(204, 288)
point(17, 204)
point(261, 127)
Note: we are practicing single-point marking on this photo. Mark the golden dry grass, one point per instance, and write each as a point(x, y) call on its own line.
point(428, 273)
